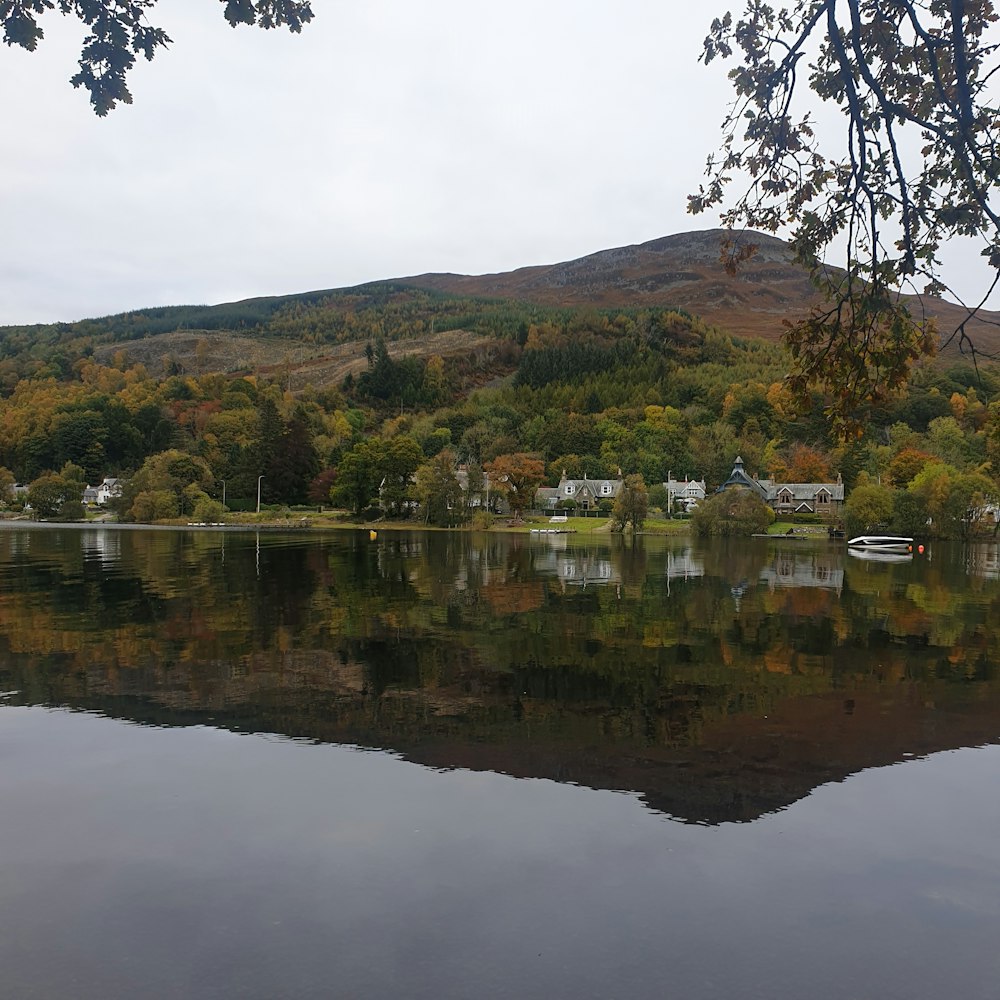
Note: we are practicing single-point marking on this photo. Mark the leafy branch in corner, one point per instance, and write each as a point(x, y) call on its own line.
point(916, 165)
point(118, 32)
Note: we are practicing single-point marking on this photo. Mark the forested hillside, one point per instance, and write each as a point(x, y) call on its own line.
point(262, 392)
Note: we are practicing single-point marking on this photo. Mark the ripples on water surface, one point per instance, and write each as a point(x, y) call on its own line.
point(453, 766)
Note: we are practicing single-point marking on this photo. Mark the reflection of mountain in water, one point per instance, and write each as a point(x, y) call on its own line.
point(495, 656)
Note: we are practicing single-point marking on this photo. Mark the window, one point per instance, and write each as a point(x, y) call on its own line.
point(569, 489)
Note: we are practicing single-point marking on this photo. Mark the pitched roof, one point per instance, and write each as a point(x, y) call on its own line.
point(803, 491)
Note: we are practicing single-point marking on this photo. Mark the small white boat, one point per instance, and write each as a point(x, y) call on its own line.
point(881, 543)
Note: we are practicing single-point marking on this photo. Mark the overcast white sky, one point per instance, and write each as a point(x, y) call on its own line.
point(389, 138)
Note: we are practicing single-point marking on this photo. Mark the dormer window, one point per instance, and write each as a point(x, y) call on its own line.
point(606, 489)
point(569, 489)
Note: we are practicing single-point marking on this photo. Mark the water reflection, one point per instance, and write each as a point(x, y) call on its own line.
point(720, 681)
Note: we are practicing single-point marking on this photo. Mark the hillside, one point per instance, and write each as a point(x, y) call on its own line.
point(319, 337)
point(684, 270)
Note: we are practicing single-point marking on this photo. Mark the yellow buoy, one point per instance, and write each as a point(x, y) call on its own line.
point(372, 535)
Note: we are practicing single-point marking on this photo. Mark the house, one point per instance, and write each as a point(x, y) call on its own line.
point(790, 498)
point(90, 496)
point(108, 489)
point(684, 494)
point(487, 497)
point(586, 493)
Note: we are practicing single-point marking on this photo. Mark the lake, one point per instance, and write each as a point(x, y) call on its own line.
point(239, 765)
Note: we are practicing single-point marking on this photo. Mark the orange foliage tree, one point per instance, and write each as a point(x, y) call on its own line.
point(518, 476)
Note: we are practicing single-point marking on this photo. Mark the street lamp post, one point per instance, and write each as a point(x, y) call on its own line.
point(259, 478)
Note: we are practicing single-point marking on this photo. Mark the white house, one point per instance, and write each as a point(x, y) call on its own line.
point(109, 488)
point(685, 494)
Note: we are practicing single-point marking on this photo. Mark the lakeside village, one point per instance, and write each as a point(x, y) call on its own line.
point(742, 504)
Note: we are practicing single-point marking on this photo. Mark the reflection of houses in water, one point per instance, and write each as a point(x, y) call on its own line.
point(804, 569)
point(983, 561)
point(103, 545)
point(17, 543)
point(575, 568)
point(683, 565)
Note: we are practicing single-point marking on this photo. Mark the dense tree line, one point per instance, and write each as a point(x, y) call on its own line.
point(652, 393)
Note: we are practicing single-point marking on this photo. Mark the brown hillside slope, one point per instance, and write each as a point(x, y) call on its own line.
point(684, 270)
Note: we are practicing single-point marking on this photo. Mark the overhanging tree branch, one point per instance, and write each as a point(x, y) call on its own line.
point(118, 32)
point(917, 165)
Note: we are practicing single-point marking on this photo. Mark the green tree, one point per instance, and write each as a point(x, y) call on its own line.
point(401, 457)
point(658, 496)
point(58, 495)
point(118, 32)
point(914, 168)
point(358, 476)
point(631, 505)
point(736, 511)
point(869, 507)
point(909, 514)
point(295, 463)
point(475, 487)
point(438, 491)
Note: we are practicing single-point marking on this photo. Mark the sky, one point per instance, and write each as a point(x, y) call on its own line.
point(389, 138)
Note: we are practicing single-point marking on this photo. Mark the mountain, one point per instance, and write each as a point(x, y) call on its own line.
point(684, 270)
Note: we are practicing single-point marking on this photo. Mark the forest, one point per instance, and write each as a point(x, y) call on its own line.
point(653, 392)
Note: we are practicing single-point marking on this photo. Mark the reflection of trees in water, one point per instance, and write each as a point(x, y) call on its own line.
point(416, 639)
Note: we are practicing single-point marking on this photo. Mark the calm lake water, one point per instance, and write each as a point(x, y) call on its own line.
point(442, 765)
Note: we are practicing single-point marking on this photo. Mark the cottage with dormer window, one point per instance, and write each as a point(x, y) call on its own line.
point(790, 498)
point(586, 492)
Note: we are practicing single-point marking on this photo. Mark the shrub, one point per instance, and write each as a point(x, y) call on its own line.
point(208, 510)
point(734, 512)
point(482, 520)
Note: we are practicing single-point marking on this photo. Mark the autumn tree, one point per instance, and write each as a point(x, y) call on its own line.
point(320, 487)
point(518, 477)
point(167, 485)
point(914, 167)
point(118, 32)
point(955, 501)
point(906, 464)
point(804, 464)
point(631, 505)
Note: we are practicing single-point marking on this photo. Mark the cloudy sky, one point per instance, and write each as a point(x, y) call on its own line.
point(389, 138)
